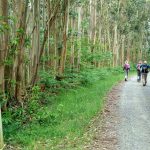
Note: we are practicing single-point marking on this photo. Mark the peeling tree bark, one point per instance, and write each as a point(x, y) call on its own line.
point(19, 89)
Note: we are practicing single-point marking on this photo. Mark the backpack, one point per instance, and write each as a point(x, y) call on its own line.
point(127, 66)
point(144, 69)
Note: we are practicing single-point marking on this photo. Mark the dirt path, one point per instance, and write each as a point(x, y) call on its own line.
point(126, 119)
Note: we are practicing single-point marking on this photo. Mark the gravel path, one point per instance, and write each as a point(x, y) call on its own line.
point(125, 121)
point(134, 113)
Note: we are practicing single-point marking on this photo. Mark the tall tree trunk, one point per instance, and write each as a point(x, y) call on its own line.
point(55, 50)
point(128, 47)
point(3, 46)
point(64, 50)
point(50, 22)
point(79, 38)
point(93, 27)
point(115, 46)
point(35, 37)
point(72, 44)
point(19, 89)
point(122, 49)
point(51, 47)
point(3, 52)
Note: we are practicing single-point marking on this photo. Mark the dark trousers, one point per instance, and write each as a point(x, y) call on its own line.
point(126, 73)
point(139, 74)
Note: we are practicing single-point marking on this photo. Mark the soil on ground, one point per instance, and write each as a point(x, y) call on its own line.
point(104, 127)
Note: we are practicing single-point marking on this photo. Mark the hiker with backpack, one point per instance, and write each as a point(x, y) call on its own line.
point(144, 70)
point(126, 69)
point(138, 68)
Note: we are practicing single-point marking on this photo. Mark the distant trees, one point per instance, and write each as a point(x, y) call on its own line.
point(57, 35)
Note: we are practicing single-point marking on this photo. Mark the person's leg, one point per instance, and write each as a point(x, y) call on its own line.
point(145, 78)
point(139, 75)
point(125, 72)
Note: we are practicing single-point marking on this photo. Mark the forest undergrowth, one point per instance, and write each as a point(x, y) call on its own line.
point(58, 112)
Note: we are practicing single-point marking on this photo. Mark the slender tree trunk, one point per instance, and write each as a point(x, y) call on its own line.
point(3, 53)
point(3, 48)
point(51, 47)
point(49, 23)
point(79, 38)
point(55, 50)
point(72, 44)
point(92, 27)
point(122, 50)
point(115, 46)
point(64, 50)
point(35, 37)
point(128, 48)
point(19, 89)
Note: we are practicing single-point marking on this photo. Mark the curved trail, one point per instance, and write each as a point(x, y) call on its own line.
point(125, 123)
point(134, 114)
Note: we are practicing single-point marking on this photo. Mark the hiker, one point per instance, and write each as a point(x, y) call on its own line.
point(144, 70)
point(138, 71)
point(126, 69)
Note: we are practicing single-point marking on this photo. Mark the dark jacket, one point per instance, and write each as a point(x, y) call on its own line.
point(144, 68)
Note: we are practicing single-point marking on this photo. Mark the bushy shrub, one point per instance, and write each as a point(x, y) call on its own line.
point(47, 79)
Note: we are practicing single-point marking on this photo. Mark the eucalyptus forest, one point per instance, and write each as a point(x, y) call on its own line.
point(51, 50)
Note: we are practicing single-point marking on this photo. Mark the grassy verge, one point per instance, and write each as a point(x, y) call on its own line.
point(62, 124)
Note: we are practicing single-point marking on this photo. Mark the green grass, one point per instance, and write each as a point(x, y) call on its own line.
point(67, 119)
